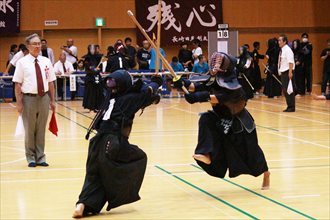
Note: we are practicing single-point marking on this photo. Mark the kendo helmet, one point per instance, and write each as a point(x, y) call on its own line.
point(222, 66)
point(119, 82)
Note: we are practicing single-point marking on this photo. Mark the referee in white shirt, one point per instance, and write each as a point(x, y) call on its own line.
point(286, 66)
point(34, 88)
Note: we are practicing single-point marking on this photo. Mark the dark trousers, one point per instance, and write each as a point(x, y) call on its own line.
point(290, 99)
point(325, 81)
point(60, 89)
point(308, 76)
point(299, 79)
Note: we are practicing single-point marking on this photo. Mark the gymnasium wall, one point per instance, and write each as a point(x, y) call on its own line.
point(254, 19)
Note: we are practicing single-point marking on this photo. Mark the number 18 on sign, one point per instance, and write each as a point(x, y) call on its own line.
point(223, 31)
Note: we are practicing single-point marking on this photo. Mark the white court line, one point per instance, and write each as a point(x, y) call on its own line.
point(153, 165)
point(13, 161)
point(276, 105)
point(187, 111)
point(13, 148)
point(289, 115)
point(300, 196)
point(289, 137)
point(297, 159)
point(299, 168)
point(317, 107)
point(47, 139)
point(302, 130)
point(42, 170)
point(157, 175)
point(301, 140)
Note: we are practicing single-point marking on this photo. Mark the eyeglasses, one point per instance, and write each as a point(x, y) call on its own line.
point(35, 44)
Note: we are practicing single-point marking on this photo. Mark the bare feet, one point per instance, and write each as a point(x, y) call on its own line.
point(318, 97)
point(203, 158)
point(266, 181)
point(79, 210)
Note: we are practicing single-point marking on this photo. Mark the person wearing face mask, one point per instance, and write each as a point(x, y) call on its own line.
point(244, 67)
point(307, 50)
point(299, 78)
point(227, 138)
point(185, 56)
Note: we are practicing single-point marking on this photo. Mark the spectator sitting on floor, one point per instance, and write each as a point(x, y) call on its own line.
point(176, 65)
point(201, 66)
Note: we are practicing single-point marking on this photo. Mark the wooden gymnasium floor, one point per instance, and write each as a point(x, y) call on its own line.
point(295, 144)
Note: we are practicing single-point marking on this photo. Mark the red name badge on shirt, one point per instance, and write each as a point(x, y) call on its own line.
point(53, 125)
point(47, 72)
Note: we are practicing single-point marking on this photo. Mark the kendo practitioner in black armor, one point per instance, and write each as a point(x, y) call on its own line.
point(93, 92)
point(115, 168)
point(117, 60)
point(245, 70)
point(272, 84)
point(227, 137)
point(257, 80)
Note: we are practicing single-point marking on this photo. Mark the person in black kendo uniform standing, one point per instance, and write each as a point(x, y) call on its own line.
point(117, 60)
point(227, 137)
point(257, 80)
point(115, 168)
point(307, 50)
point(245, 70)
point(93, 92)
point(273, 87)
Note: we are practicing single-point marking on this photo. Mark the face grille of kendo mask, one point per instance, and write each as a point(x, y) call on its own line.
point(220, 64)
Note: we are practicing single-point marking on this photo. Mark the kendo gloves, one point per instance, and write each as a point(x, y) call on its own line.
point(202, 96)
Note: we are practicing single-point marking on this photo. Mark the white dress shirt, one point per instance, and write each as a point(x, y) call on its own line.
point(58, 67)
point(196, 52)
point(70, 58)
point(50, 55)
point(16, 57)
point(25, 73)
point(285, 57)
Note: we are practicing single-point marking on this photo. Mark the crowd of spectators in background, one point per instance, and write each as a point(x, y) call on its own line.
point(122, 55)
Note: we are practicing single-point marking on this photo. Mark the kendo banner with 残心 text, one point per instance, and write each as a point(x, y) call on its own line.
point(181, 20)
point(9, 16)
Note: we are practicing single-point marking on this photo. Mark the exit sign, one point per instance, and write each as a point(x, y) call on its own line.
point(99, 22)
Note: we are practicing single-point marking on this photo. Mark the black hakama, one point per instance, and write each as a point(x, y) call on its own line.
point(245, 84)
point(93, 92)
point(231, 145)
point(114, 173)
point(115, 168)
point(272, 86)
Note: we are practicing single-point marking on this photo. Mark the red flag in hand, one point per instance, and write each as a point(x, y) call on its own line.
point(53, 125)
